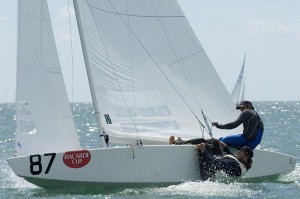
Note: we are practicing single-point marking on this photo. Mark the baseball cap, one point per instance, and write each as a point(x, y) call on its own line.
point(243, 104)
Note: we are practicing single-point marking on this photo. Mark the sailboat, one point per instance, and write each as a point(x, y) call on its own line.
point(149, 78)
point(238, 91)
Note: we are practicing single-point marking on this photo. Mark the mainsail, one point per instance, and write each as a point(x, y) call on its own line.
point(238, 92)
point(149, 72)
point(44, 119)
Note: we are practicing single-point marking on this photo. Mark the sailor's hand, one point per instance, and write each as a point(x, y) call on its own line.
point(201, 147)
point(216, 124)
point(222, 144)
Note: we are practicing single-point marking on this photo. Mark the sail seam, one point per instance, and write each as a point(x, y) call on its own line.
point(136, 15)
point(186, 57)
point(34, 17)
point(110, 17)
point(41, 67)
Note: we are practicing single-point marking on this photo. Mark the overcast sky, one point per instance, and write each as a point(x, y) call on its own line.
point(268, 31)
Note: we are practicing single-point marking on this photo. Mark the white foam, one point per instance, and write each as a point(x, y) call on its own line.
point(199, 189)
point(11, 180)
point(293, 176)
point(207, 188)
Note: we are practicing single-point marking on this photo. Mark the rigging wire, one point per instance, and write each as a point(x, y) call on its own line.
point(133, 118)
point(206, 123)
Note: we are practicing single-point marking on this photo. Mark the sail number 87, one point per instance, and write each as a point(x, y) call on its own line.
point(36, 166)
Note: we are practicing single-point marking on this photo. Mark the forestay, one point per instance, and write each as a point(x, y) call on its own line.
point(44, 120)
point(149, 73)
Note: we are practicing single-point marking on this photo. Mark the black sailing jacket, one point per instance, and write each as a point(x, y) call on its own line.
point(251, 122)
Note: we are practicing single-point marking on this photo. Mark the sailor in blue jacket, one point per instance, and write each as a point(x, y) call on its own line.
point(253, 127)
point(233, 166)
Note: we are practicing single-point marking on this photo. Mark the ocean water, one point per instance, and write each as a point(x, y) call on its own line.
point(282, 133)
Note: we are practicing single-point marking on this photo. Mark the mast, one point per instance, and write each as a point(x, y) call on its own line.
point(90, 77)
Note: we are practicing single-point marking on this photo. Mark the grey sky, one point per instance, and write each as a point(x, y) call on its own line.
point(269, 32)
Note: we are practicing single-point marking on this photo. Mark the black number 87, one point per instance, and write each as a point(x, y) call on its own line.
point(36, 163)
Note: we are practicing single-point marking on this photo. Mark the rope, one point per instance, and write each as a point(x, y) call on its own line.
point(206, 123)
point(132, 115)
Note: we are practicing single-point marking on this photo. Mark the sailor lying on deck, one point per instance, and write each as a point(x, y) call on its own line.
point(232, 165)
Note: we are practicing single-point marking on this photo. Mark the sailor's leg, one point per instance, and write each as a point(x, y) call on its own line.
point(253, 143)
point(195, 141)
point(235, 140)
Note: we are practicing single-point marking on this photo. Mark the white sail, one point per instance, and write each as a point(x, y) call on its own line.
point(44, 119)
point(238, 92)
point(148, 69)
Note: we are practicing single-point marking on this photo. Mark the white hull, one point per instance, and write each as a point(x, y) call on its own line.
point(156, 164)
